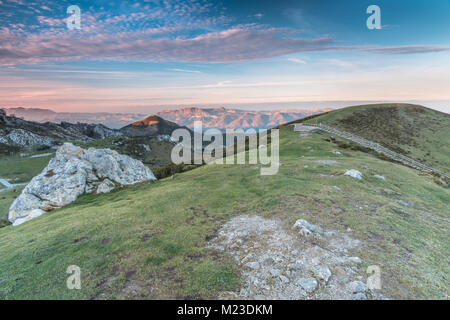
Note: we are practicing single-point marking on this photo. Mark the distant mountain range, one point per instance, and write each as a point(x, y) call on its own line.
point(224, 118)
point(221, 118)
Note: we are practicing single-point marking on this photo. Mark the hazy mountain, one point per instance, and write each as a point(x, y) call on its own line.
point(112, 120)
point(221, 118)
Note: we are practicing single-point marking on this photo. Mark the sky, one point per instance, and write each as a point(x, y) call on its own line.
point(141, 56)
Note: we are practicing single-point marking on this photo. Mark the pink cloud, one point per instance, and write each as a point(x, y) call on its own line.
point(235, 44)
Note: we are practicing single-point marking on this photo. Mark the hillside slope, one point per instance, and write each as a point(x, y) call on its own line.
point(415, 131)
point(149, 240)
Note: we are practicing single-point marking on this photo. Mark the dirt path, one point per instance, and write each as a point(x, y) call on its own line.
point(9, 185)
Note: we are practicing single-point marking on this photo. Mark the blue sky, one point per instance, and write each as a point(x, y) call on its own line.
point(141, 55)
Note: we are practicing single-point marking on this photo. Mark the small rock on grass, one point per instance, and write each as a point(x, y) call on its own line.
point(354, 174)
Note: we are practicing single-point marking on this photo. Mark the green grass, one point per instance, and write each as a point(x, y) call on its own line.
point(151, 237)
point(158, 156)
point(412, 130)
point(19, 170)
point(22, 169)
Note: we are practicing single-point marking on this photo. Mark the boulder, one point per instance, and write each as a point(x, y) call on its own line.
point(72, 172)
point(301, 223)
point(354, 174)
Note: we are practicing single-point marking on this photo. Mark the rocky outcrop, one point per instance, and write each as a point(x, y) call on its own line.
point(24, 138)
point(306, 262)
point(23, 134)
point(72, 172)
point(94, 131)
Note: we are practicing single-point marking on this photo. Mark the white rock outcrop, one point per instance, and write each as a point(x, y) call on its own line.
point(72, 172)
point(354, 174)
point(24, 138)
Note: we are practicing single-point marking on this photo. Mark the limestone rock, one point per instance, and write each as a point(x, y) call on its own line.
point(72, 172)
point(105, 186)
point(301, 223)
point(24, 138)
point(322, 272)
point(308, 284)
point(354, 174)
point(357, 287)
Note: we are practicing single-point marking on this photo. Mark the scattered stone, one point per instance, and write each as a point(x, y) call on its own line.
point(253, 265)
point(301, 223)
point(305, 232)
point(277, 264)
point(354, 174)
point(327, 162)
point(105, 186)
point(359, 296)
point(275, 272)
point(380, 177)
point(295, 266)
point(284, 279)
point(322, 272)
point(308, 284)
point(404, 203)
point(388, 191)
point(357, 287)
point(338, 153)
point(354, 260)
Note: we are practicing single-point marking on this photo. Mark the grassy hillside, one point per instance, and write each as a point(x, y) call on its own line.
point(17, 170)
point(417, 132)
point(148, 240)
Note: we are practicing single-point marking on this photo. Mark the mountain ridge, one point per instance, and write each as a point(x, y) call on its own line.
point(220, 118)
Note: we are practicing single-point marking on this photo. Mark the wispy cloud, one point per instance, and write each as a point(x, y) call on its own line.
point(297, 60)
point(185, 70)
point(408, 49)
point(231, 45)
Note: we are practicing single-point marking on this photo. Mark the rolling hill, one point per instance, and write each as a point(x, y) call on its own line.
point(412, 130)
point(156, 240)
